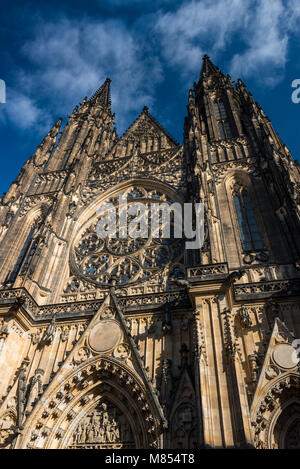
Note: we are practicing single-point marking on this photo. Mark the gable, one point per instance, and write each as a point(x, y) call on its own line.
point(143, 136)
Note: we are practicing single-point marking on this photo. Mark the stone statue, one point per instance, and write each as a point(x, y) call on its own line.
point(103, 426)
point(49, 333)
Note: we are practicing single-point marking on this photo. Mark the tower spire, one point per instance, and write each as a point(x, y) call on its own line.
point(102, 95)
point(208, 67)
point(211, 76)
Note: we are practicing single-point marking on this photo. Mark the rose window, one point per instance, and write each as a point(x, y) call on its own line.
point(100, 260)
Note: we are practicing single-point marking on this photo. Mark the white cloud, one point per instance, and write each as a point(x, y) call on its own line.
point(70, 59)
point(262, 29)
point(267, 43)
point(294, 14)
point(199, 27)
point(23, 111)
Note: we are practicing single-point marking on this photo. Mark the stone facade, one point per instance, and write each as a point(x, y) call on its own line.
point(139, 343)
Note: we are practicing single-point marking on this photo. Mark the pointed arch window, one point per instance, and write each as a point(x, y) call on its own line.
point(250, 236)
point(222, 119)
point(220, 110)
point(26, 254)
point(32, 245)
point(22, 256)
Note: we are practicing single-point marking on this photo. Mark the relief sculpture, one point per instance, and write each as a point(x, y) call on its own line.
point(104, 427)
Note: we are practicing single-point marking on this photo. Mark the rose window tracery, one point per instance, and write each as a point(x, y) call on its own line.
point(133, 259)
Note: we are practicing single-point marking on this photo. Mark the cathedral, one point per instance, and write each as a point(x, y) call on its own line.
point(129, 343)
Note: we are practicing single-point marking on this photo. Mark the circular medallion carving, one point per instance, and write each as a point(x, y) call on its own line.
point(105, 336)
point(283, 356)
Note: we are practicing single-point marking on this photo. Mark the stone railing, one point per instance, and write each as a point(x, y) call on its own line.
point(205, 272)
point(272, 289)
point(21, 297)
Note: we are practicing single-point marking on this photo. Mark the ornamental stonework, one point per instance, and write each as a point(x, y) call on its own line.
point(138, 342)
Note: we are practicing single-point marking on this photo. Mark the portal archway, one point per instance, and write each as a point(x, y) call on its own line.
point(287, 428)
point(103, 404)
point(277, 413)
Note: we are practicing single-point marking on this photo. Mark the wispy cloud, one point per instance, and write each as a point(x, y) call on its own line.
point(67, 59)
point(196, 27)
point(70, 59)
point(262, 28)
point(267, 39)
point(23, 111)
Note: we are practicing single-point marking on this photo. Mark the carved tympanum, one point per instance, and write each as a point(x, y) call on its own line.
point(104, 427)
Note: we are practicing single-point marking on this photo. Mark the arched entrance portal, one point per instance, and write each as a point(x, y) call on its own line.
point(276, 424)
point(292, 437)
point(103, 405)
point(287, 427)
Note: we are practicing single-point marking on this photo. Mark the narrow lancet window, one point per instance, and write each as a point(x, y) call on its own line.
point(22, 256)
point(222, 119)
point(250, 236)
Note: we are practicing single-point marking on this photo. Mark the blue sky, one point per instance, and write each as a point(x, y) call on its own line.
point(53, 54)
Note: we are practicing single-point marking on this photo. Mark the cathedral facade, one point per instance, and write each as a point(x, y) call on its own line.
point(139, 342)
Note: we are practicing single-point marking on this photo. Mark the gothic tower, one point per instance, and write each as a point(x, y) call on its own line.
point(138, 342)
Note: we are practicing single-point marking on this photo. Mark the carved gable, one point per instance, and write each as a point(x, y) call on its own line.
point(148, 134)
point(279, 359)
point(104, 368)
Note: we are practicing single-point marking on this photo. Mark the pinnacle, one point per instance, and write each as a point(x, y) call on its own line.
point(208, 67)
point(102, 95)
